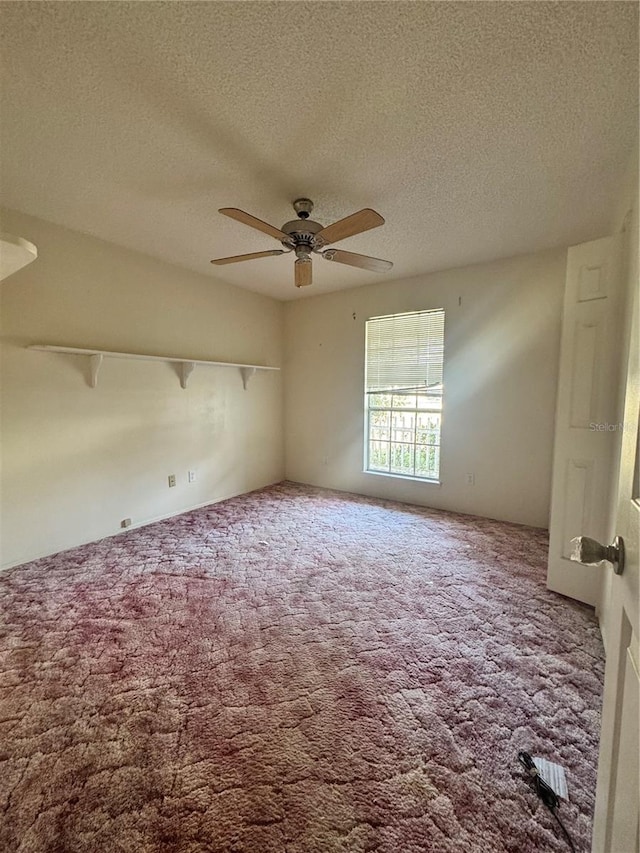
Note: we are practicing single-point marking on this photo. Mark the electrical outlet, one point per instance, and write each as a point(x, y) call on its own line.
point(172, 480)
point(471, 479)
point(126, 522)
point(191, 475)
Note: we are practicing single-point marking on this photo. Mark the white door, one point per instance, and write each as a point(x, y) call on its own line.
point(585, 439)
point(616, 827)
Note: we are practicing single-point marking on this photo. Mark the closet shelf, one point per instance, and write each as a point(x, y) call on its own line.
point(185, 365)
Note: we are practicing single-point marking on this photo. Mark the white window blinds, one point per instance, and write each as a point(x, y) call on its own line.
point(405, 352)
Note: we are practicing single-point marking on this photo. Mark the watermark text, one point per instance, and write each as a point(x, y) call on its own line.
point(605, 426)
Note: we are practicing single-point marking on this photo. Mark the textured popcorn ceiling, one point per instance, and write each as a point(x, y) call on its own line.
point(478, 130)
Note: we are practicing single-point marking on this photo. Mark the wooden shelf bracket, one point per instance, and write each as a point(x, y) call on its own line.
point(186, 369)
point(95, 363)
point(247, 373)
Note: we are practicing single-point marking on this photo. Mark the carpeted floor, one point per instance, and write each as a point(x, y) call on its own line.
point(294, 670)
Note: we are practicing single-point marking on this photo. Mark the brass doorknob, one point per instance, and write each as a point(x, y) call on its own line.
point(590, 552)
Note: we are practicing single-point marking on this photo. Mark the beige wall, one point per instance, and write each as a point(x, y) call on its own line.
point(77, 460)
point(501, 366)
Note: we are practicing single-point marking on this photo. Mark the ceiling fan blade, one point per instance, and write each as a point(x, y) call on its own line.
point(254, 222)
point(303, 272)
point(250, 257)
point(355, 260)
point(358, 222)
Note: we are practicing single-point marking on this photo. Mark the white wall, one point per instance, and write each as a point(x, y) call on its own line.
point(77, 460)
point(501, 366)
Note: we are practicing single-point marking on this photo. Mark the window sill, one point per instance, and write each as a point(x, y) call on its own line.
point(403, 477)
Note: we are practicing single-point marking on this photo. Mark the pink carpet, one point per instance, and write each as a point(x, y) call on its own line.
point(294, 671)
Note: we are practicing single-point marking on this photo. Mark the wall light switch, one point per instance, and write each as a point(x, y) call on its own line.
point(191, 475)
point(471, 479)
point(172, 480)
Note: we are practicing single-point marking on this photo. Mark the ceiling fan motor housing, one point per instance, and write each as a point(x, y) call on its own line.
point(301, 233)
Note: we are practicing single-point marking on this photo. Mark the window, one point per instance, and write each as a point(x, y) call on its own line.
point(403, 394)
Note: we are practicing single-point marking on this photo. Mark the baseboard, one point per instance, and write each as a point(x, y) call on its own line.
point(145, 523)
point(413, 502)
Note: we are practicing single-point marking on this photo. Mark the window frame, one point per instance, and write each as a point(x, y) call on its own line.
point(427, 408)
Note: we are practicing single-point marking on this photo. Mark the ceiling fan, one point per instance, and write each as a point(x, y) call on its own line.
point(304, 236)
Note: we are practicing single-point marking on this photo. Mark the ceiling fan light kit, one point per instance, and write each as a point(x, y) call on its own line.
point(306, 237)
